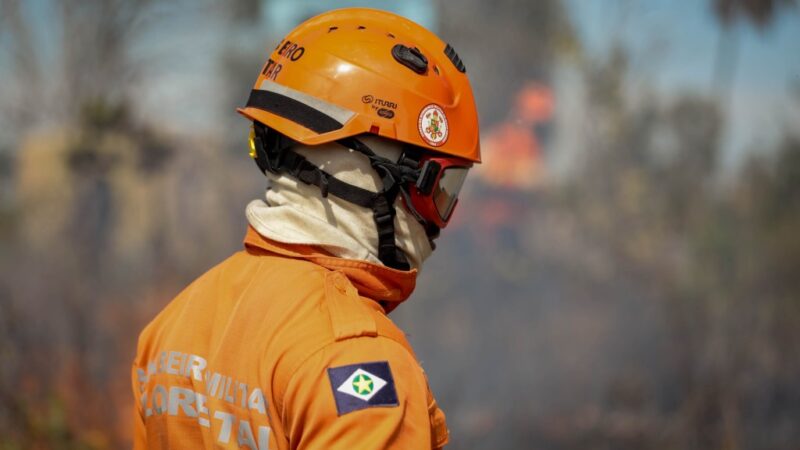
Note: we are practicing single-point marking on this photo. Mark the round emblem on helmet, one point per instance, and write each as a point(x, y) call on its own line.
point(433, 125)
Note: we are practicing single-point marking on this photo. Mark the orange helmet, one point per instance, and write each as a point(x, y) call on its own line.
point(359, 70)
point(354, 71)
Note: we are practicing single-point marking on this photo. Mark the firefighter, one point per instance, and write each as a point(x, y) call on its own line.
point(365, 125)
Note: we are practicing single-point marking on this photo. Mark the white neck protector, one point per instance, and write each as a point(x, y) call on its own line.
point(296, 213)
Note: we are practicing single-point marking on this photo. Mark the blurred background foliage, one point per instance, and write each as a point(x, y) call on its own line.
point(611, 280)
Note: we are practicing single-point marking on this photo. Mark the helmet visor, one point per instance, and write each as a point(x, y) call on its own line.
point(445, 193)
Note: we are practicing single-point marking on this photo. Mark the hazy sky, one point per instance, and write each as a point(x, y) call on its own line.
point(674, 43)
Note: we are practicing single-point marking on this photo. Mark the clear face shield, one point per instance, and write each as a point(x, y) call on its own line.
point(445, 193)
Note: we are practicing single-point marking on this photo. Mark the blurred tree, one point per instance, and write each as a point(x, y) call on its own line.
point(84, 53)
point(712, 267)
point(759, 13)
point(513, 42)
point(82, 166)
point(640, 305)
point(244, 11)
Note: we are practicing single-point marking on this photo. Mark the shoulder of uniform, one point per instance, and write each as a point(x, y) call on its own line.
point(348, 315)
point(342, 317)
point(354, 316)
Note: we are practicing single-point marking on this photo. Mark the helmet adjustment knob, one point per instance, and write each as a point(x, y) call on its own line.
point(410, 57)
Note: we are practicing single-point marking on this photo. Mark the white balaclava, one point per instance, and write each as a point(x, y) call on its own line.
point(296, 213)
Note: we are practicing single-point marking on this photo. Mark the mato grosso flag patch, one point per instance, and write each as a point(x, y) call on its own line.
point(363, 385)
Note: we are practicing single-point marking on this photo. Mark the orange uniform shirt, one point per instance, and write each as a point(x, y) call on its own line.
point(283, 347)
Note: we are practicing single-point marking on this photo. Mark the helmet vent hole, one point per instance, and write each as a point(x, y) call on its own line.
point(451, 54)
point(436, 70)
point(332, 29)
point(362, 27)
point(390, 35)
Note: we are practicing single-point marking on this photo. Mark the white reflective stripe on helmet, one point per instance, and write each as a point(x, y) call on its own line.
point(341, 115)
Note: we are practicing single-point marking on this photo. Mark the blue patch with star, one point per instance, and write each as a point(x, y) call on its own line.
point(364, 385)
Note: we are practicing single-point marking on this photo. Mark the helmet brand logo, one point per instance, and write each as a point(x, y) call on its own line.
point(384, 108)
point(433, 125)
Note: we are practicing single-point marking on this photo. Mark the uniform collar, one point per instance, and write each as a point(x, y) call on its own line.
point(388, 286)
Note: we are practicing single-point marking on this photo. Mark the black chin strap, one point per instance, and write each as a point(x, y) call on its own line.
point(274, 154)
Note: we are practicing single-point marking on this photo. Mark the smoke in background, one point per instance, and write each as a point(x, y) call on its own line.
point(609, 280)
